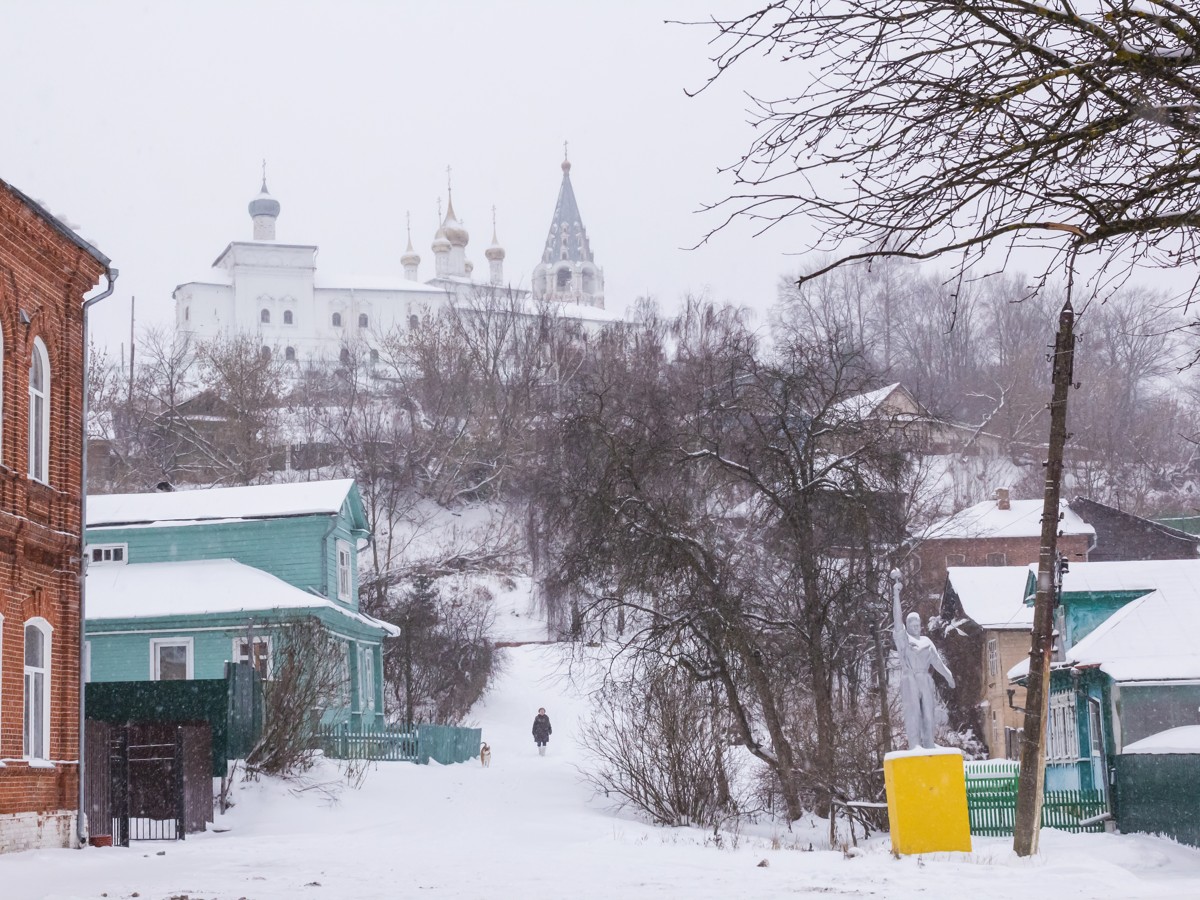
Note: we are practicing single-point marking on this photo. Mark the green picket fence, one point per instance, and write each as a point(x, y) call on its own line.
point(445, 744)
point(992, 807)
point(338, 742)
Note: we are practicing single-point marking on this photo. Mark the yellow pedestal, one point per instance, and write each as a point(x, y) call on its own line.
point(927, 800)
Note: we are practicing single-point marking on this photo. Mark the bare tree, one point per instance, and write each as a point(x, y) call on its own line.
point(925, 127)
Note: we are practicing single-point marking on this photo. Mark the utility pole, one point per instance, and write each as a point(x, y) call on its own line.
point(1030, 786)
point(132, 344)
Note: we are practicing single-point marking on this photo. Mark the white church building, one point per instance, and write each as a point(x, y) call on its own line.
point(276, 291)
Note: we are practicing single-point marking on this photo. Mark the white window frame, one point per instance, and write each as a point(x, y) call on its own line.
point(185, 642)
point(31, 716)
point(345, 571)
point(366, 679)
point(1062, 744)
point(993, 657)
point(108, 554)
point(39, 425)
point(344, 665)
point(241, 654)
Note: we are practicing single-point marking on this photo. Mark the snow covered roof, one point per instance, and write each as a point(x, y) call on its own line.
point(324, 281)
point(212, 276)
point(1185, 739)
point(1179, 576)
point(200, 587)
point(266, 501)
point(993, 596)
point(1153, 638)
point(869, 403)
point(1023, 518)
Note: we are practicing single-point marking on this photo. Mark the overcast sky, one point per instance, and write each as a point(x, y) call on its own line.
point(144, 125)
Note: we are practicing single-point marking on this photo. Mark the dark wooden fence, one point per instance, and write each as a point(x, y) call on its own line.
point(1159, 793)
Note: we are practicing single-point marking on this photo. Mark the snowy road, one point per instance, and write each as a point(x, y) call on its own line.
point(528, 828)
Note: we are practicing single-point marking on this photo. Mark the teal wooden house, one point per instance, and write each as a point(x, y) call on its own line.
point(1127, 673)
point(180, 582)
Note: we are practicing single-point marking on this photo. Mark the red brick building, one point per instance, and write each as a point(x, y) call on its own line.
point(45, 271)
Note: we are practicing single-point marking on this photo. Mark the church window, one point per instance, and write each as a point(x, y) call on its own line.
point(265, 316)
point(187, 313)
point(287, 317)
point(337, 320)
point(374, 355)
point(39, 412)
point(344, 356)
point(563, 279)
point(289, 353)
point(413, 322)
point(362, 320)
point(266, 353)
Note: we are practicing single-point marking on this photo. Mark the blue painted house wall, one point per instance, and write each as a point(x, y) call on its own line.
point(301, 550)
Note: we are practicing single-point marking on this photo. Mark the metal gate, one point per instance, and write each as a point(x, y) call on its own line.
point(146, 768)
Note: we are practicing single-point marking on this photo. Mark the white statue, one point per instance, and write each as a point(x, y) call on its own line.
point(917, 655)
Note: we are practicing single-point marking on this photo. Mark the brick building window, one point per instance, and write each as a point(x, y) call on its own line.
point(39, 412)
point(997, 559)
point(955, 559)
point(35, 729)
point(993, 658)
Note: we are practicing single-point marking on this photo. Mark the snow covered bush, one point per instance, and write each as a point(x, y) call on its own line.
point(660, 745)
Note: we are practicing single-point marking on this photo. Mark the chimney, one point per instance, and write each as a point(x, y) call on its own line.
point(1002, 499)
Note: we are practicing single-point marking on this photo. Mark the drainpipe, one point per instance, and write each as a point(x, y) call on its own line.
point(81, 830)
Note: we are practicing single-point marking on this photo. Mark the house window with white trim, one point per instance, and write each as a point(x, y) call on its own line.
point(1063, 732)
point(366, 678)
point(108, 553)
point(993, 658)
point(39, 412)
point(171, 659)
point(35, 729)
point(343, 571)
point(260, 659)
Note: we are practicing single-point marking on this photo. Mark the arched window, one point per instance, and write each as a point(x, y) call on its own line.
point(337, 320)
point(266, 352)
point(265, 317)
point(362, 320)
point(39, 412)
point(563, 279)
point(287, 317)
point(344, 356)
point(289, 353)
point(413, 322)
point(374, 355)
point(35, 728)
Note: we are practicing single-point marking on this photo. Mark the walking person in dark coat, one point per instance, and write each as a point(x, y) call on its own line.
point(541, 730)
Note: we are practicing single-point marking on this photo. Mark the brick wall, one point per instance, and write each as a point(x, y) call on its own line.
point(44, 274)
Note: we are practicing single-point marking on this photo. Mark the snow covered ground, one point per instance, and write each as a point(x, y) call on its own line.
point(528, 827)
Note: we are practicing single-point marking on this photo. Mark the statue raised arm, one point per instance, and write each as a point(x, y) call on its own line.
point(917, 655)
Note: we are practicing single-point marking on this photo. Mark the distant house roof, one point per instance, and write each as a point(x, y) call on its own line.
point(993, 596)
point(872, 402)
point(267, 501)
point(1023, 518)
point(1122, 535)
point(214, 587)
point(1152, 638)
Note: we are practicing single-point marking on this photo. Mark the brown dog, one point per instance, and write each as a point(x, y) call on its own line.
point(485, 755)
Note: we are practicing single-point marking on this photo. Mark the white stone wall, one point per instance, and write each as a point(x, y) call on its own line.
point(37, 831)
